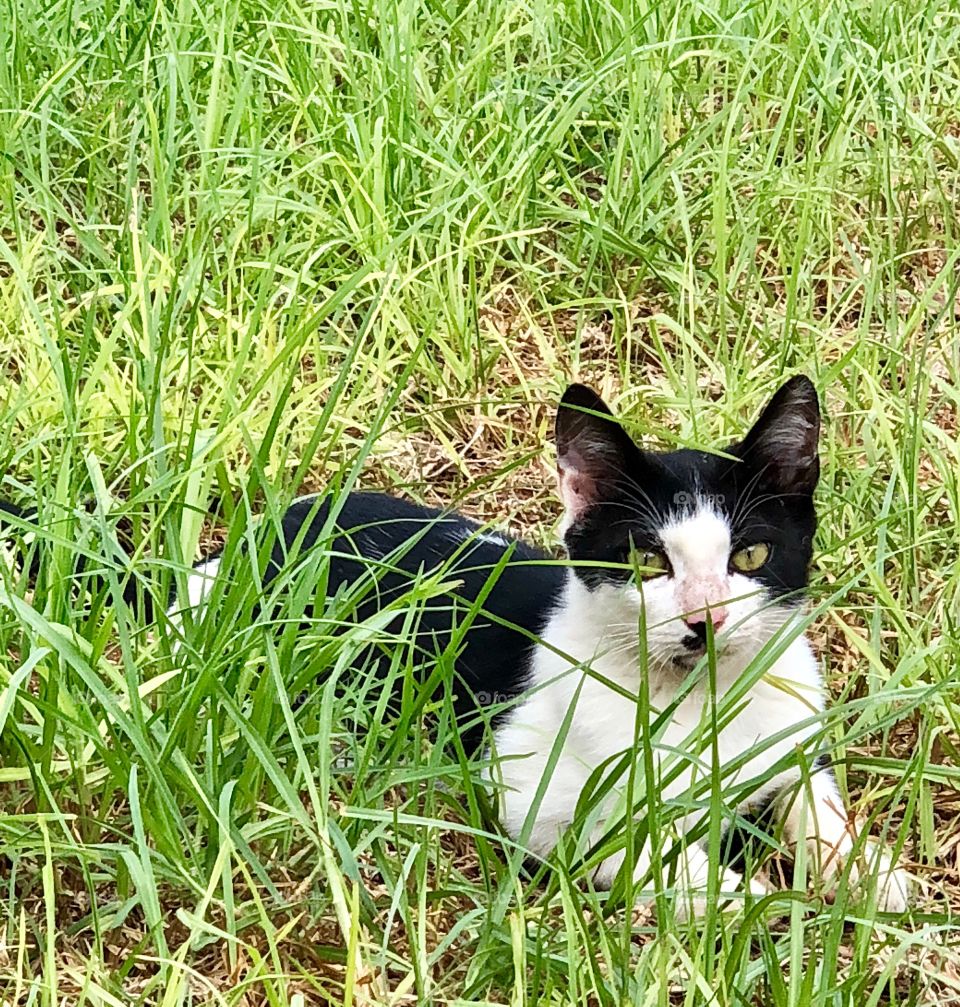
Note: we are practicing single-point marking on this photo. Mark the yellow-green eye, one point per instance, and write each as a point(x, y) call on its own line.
point(650, 564)
point(751, 558)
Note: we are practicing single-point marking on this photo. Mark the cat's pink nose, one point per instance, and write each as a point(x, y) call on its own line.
point(718, 616)
point(700, 596)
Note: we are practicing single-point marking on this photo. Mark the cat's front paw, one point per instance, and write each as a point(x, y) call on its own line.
point(693, 905)
point(873, 870)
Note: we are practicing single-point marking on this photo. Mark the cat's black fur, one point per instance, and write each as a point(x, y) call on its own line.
point(406, 540)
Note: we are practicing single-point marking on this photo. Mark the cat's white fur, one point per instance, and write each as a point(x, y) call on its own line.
point(201, 580)
point(591, 645)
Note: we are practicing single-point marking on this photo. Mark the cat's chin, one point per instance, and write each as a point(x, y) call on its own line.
point(687, 659)
point(726, 648)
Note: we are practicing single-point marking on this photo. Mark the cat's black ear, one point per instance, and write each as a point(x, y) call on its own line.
point(593, 451)
point(782, 445)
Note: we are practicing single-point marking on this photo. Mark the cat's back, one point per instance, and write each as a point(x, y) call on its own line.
point(501, 589)
point(389, 542)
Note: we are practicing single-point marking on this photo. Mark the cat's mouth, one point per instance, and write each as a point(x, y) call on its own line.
point(694, 644)
point(693, 649)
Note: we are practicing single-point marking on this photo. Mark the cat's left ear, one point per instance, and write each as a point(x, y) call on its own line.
point(594, 452)
point(782, 445)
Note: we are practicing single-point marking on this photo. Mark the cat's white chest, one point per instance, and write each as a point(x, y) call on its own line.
point(575, 719)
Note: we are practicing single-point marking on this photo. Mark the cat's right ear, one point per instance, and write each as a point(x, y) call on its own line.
point(593, 451)
point(782, 445)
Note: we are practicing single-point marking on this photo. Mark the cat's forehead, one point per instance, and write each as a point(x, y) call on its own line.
point(688, 480)
point(689, 464)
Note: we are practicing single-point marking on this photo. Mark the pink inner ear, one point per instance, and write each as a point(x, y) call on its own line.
point(577, 490)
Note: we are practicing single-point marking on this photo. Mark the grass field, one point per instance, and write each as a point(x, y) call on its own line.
point(251, 250)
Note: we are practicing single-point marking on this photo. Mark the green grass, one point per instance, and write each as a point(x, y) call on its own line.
point(250, 249)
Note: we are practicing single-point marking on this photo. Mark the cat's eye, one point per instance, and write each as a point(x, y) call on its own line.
point(650, 563)
point(752, 557)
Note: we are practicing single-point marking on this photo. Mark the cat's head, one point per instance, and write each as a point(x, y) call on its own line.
point(726, 537)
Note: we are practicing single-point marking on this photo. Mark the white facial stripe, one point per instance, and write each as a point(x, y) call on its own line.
point(698, 545)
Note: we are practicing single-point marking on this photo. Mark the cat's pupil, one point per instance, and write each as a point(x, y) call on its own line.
point(651, 562)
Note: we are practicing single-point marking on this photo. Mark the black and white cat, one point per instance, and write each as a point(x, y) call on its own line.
point(688, 546)
point(677, 560)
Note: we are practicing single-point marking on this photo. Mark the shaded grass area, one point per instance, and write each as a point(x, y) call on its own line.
point(249, 251)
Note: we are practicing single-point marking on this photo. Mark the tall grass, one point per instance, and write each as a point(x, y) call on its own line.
point(250, 249)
